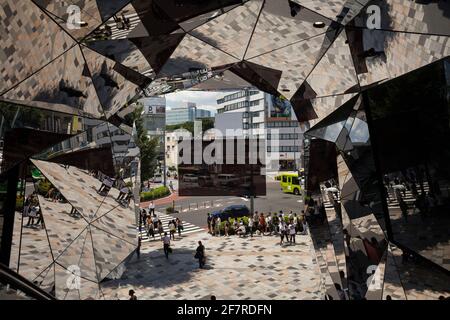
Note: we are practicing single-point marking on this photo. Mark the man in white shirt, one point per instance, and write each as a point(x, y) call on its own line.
point(250, 226)
point(218, 221)
point(151, 208)
point(269, 223)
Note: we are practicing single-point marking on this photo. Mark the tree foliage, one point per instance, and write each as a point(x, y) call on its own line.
point(207, 123)
point(148, 146)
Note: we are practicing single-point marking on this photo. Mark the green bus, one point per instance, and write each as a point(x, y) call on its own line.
point(290, 183)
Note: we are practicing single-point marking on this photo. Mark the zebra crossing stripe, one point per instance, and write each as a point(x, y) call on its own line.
point(122, 34)
point(393, 203)
point(188, 228)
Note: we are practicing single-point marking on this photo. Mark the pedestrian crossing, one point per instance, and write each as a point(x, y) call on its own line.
point(165, 219)
point(122, 33)
point(392, 201)
point(407, 196)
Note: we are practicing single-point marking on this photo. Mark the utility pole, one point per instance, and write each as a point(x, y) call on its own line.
point(250, 136)
point(164, 151)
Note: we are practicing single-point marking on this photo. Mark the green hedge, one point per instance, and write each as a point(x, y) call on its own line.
point(155, 193)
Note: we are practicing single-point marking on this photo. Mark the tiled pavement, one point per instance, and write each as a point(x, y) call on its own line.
point(236, 268)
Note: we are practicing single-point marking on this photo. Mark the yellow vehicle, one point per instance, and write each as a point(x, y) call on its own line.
point(290, 183)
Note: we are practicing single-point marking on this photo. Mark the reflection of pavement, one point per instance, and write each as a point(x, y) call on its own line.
point(236, 268)
point(429, 236)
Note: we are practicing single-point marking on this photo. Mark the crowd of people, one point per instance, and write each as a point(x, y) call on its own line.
point(285, 225)
point(150, 222)
point(423, 202)
point(125, 193)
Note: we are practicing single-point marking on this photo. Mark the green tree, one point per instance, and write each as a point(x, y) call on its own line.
point(207, 123)
point(148, 146)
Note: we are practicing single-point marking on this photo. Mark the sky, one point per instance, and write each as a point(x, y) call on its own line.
point(204, 99)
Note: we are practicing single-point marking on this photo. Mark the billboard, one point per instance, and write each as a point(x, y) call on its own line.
point(229, 167)
point(279, 107)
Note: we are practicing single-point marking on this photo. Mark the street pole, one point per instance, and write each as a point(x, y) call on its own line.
point(250, 130)
point(164, 153)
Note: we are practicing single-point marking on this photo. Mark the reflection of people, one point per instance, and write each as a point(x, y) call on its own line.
point(107, 184)
point(404, 209)
point(122, 193)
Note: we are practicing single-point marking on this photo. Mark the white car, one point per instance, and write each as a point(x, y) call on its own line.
point(157, 178)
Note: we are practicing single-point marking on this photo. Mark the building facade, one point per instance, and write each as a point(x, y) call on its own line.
point(187, 113)
point(264, 116)
point(154, 117)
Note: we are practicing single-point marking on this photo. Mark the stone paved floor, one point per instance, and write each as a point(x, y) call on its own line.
point(236, 268)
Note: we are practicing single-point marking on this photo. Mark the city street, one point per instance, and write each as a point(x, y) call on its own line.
point(195, 209)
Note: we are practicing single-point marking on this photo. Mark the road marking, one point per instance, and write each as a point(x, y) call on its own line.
point(245, 199)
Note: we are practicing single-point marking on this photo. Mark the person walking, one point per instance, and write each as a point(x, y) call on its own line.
point(32, 214)
point(213, 226)
point(200, 255)
point(281, 228)
point(275, 222)
point(404, 209)
point(269, 223)
point(40, 218)
point(225, 228)
point(144, 217)
point(172, 229)
point(122, 193)
point(218, 225)
point(151, 228)
point(138, 248)
point(292, 233)
point(155, 220)
point(250, 226)
point(160, 228)
point(179, 226)
point(166, 245)
point(209, 221)
point(262, 224)
point(151, 208)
